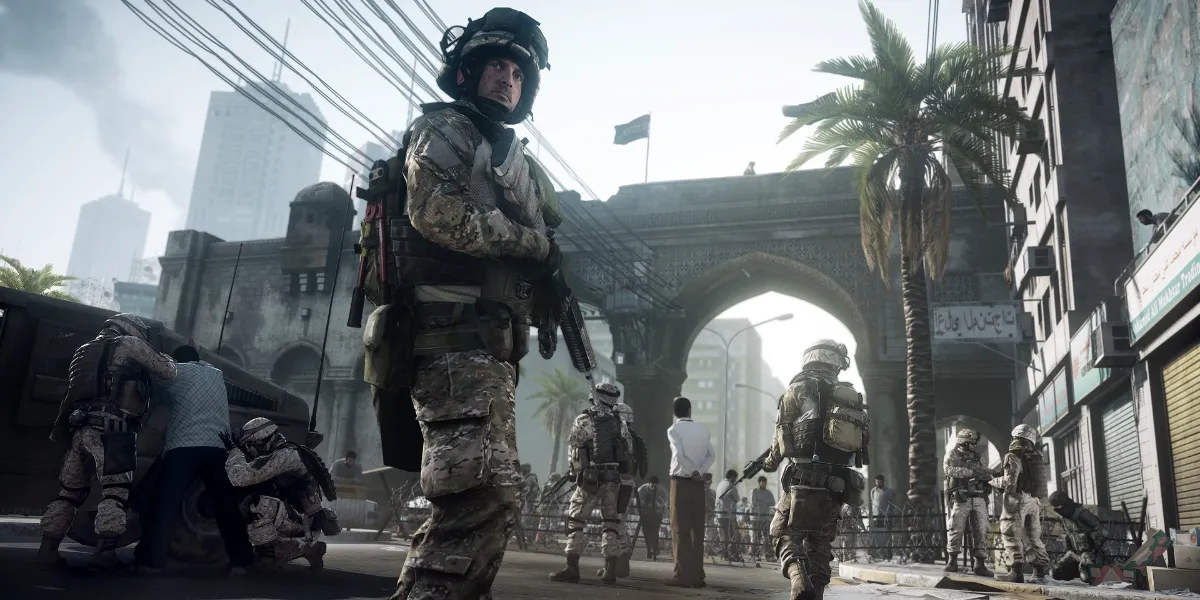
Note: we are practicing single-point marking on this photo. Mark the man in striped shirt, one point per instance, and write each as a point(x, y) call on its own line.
point(193, 449)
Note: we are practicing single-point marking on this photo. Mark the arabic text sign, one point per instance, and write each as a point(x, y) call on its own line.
point(1084, 373)
point(975, 323)
point(1171, 271)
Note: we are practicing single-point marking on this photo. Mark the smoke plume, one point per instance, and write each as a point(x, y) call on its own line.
point(64, 41)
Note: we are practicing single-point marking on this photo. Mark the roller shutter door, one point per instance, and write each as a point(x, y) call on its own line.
point(1181, 384)
point(1122, 456)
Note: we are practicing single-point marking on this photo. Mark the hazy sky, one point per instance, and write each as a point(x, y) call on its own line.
point(713, 74)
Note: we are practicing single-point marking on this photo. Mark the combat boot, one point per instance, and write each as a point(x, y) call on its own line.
point(802, 588)
point(1016, 573)
point(1039, 574)
point(623, 565)
point(48, 553)
point(570, 573)
point(610, 569)
point(981, 568)
point(105, 557)
point(315, 555)
point(951, 563)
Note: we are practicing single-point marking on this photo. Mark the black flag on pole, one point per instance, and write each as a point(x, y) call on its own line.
point(632, 131)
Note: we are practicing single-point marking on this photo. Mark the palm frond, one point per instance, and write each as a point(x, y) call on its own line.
point(1187, 161)
point(854, 67)
point(936, 208)
point(876, 166)
point(892, 51)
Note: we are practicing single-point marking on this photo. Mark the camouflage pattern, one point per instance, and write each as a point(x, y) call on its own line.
point(83, 461)
point(1021, 516)
point(582, 504)
point(273, 529)
point(627, 525)
point(284, 468)
point(452, 192)
point(811, 549)
point(963, 464)
point(465, 403)
point(128, 357)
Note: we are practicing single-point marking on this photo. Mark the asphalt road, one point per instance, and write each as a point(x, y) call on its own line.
point(355, 571)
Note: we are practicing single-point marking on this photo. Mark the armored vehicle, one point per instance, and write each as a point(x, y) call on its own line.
point(38, 336)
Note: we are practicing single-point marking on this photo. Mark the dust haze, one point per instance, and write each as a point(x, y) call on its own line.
point(64, 41)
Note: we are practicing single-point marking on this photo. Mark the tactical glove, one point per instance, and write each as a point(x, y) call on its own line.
point(553, 261)
point(229, 445)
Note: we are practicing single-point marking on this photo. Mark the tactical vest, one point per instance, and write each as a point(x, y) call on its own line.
point(608, 445)
point(93, 380)
point(1032, 479)
point(411, 260)
point(810, 431)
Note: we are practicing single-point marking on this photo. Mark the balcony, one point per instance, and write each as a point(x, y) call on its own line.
point(1031, 138)
point(997, 10)
point(1164, 274)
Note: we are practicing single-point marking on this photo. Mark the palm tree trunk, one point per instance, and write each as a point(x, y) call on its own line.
point(558, 429)
point(922, 437)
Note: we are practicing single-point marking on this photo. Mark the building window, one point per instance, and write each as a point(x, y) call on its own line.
point(1044, 315)
point(1037, 186)
point(1037, 38)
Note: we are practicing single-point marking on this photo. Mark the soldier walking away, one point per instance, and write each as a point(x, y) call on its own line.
point(1085, 540)
point(1023, 476)
point(107, 394)
point(822, 431)
point(453, 318)
point(286, 482)
point(599, 454)
point(627, 500)
point(966, 481)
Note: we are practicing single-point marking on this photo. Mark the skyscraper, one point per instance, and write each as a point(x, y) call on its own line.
point(110, 236)
point(252, 164)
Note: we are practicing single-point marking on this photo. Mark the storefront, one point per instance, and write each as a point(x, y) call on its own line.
point(1164, 327)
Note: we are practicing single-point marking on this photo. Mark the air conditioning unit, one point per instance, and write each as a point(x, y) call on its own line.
point(1111, 345)
point(1039, 261)
point(997, 10)
point(1031, 138)
point(1027, 326)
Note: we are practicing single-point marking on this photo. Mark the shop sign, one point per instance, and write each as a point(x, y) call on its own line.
point(1167, 276)
point(1085, 376)
point(976, 322)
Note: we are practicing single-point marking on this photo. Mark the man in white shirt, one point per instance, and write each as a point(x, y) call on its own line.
point(691, 456)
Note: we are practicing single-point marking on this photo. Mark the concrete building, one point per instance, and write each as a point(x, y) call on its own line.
point(251, 163)
point(706, 387)
point(1067, 240)
point(109, 236)
point(1156, 44)
point(135, 298)
point(94, 291)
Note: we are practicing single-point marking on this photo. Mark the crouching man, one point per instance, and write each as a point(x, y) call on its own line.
point(285, 482)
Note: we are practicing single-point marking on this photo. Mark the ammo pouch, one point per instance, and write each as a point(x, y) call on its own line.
point(624, 494)
point(589, 481)
point(845, 484)
point(388, 345)
point(846, 421)
point(120, 452)
point(811, 508)
point(326, 521)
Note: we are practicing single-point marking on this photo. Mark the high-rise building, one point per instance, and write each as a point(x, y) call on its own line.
point(252, 164)
point(1069, 232)
point(109, 237)
point(722, 400)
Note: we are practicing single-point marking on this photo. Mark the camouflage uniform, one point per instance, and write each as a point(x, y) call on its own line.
point(284, 507)
point(821, 430)
point(964, 469)
point(106, 395)
point(599, 449)
point(1084, 539)
point(1023, 479)
point(529, 499)
point(475, 196)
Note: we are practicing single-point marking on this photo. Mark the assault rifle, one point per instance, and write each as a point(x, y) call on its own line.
point(550, 494)
point(562, 312)
point(751, 469)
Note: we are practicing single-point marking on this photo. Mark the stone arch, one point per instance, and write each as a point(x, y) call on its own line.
point(707, 295)
point(295, 367)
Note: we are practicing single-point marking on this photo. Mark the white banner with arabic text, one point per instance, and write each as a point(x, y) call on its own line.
point(979, 322)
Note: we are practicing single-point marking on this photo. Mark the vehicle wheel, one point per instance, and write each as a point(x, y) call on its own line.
point(197, 539)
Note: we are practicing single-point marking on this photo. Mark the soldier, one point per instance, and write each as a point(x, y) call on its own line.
point(107, 394)
point(821, 430)
point(966, 480)
point(547, 509)
point(283, 477)
point(477, 245)
point(626, 499)
point(600, 453)
point(529, 494)
point(1085, 539)
point(1023, 477)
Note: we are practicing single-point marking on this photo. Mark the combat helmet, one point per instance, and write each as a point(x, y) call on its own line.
point(1026, 433)
point(606, 394)
point(259, 436)
point(502, 32)
point(825, 355)
point(967, 436)
point(127, 324)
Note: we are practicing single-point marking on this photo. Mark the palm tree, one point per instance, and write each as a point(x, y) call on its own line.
point(892, 125)
point(1187, 162)
point(35, 281)
point(563, 396)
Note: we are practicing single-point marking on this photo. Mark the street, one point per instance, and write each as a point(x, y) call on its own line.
point(355, 571)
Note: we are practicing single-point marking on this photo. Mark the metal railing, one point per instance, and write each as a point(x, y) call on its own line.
point(1185, 202)
point(906, 535)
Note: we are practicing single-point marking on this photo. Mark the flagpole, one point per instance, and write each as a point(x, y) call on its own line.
point(647, 180)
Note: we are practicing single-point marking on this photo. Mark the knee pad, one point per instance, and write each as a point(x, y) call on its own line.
point(110, 518)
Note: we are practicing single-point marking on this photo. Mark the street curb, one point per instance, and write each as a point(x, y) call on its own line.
point(979, 584)
point(12, 529)
point(20, 529)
